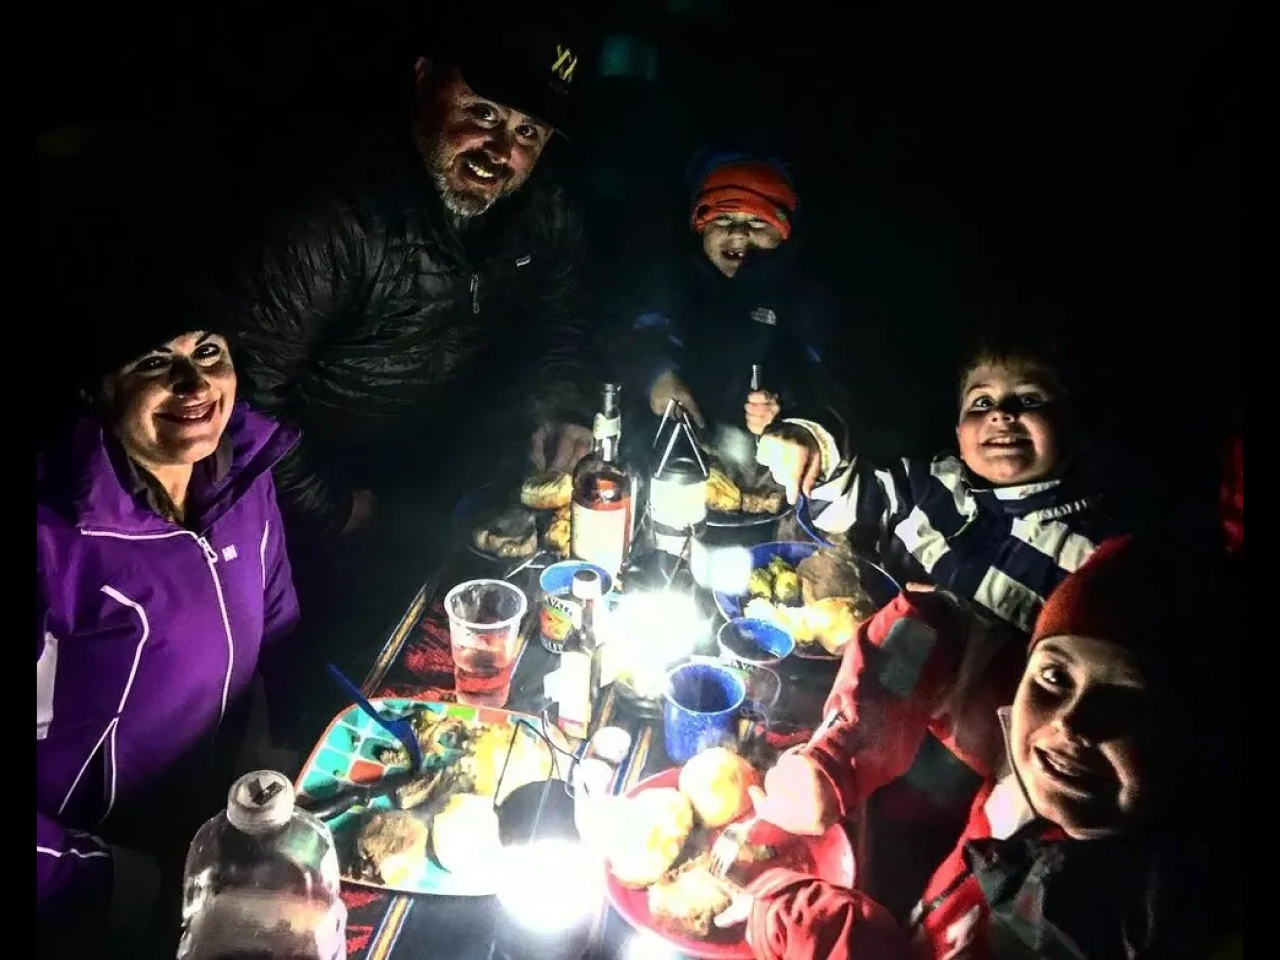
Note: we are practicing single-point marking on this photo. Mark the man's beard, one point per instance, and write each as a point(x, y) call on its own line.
point(463, 204)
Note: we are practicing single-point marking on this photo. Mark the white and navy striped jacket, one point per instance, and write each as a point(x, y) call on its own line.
point(1005, 548)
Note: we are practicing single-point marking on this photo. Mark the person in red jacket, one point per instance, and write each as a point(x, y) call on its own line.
point(1085, 840)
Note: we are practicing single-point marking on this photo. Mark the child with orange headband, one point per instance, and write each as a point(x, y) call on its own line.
point(739, 298)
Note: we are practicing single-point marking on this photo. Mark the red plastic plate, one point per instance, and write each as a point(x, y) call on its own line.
point(829, 857)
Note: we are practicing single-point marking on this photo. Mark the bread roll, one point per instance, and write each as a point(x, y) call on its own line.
point(645, 835)
point(716, 781)
point(512, 533)
point(395, 844)
point(464, 834)
point(547, 490)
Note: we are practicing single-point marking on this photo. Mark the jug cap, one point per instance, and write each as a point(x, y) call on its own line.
point(260, 801)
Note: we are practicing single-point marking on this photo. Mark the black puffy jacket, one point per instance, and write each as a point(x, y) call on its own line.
point(377, 326)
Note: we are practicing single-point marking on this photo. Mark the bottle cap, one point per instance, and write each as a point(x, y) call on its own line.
point(586, 584)
point(610, 744)
point(260, 801)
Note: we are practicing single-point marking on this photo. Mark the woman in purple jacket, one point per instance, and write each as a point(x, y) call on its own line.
point(161, 579)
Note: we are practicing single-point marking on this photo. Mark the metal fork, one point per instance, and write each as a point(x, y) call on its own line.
point(724, 852)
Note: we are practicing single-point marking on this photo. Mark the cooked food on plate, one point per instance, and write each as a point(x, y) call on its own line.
point(820, 602)
point(452, 802)
point(686, 900)
point(512, 533)
point(647, 834)
point(660, 840)
point(762, 501)
point(392, 846)
point(540, 521)
point(716, 782)
point(558, 531)
point(723, 495)
point(547, 490)
point(530, 759)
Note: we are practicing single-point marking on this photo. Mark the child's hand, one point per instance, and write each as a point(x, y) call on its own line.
point(670, 387)
point(796, 797)
point(792, 456)
point(762, 409)
point(737, 912)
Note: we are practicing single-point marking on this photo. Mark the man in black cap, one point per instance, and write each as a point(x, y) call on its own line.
point(432, 305)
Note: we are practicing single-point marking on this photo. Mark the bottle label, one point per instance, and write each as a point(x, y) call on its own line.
point(599, 534)
point(604, 427)
point(559, 615)
point(575, 694)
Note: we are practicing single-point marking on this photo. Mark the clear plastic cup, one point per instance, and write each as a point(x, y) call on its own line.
point(484, 634)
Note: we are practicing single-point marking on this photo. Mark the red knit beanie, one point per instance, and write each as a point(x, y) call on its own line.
point(1098, 600)
point(1172, 606)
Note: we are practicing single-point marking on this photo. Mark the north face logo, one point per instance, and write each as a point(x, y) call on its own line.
point(764, 315)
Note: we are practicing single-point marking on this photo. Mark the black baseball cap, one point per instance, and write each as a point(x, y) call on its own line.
point(537, 71)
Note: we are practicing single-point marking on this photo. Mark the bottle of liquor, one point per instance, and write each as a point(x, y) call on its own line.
point(581, 662)
point(602, 514)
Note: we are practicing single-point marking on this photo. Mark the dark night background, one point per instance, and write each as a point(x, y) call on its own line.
point(961, 165)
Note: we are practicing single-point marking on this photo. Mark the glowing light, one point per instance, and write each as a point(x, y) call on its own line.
point(724, 569)
point(548, 885)
point(647, 633)
point(645, 945)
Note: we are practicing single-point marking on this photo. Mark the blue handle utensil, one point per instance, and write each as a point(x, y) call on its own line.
point(398, 727)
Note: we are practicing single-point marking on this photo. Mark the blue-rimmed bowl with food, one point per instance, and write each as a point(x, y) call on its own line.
point(816, 594)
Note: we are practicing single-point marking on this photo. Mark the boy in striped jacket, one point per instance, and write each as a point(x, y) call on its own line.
point(1001, 525)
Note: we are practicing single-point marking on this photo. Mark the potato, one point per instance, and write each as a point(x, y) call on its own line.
point(786, 588)
point(760, 583)
point(716, 781)
point(834, 621)
point(645, 835)
point(797, 622)
point(777, 565)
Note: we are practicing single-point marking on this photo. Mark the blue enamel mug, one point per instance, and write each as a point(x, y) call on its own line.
point(703, 706)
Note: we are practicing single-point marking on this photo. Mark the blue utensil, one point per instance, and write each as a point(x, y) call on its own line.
point(806, 522)
point(398, 727)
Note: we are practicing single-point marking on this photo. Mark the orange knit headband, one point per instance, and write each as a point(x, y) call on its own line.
point(746, 186)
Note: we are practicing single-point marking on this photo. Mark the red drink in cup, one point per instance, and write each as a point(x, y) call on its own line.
point(484, 632)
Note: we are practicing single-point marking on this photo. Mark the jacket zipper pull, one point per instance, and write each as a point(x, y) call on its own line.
point(209, 553)
point(475, 293)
